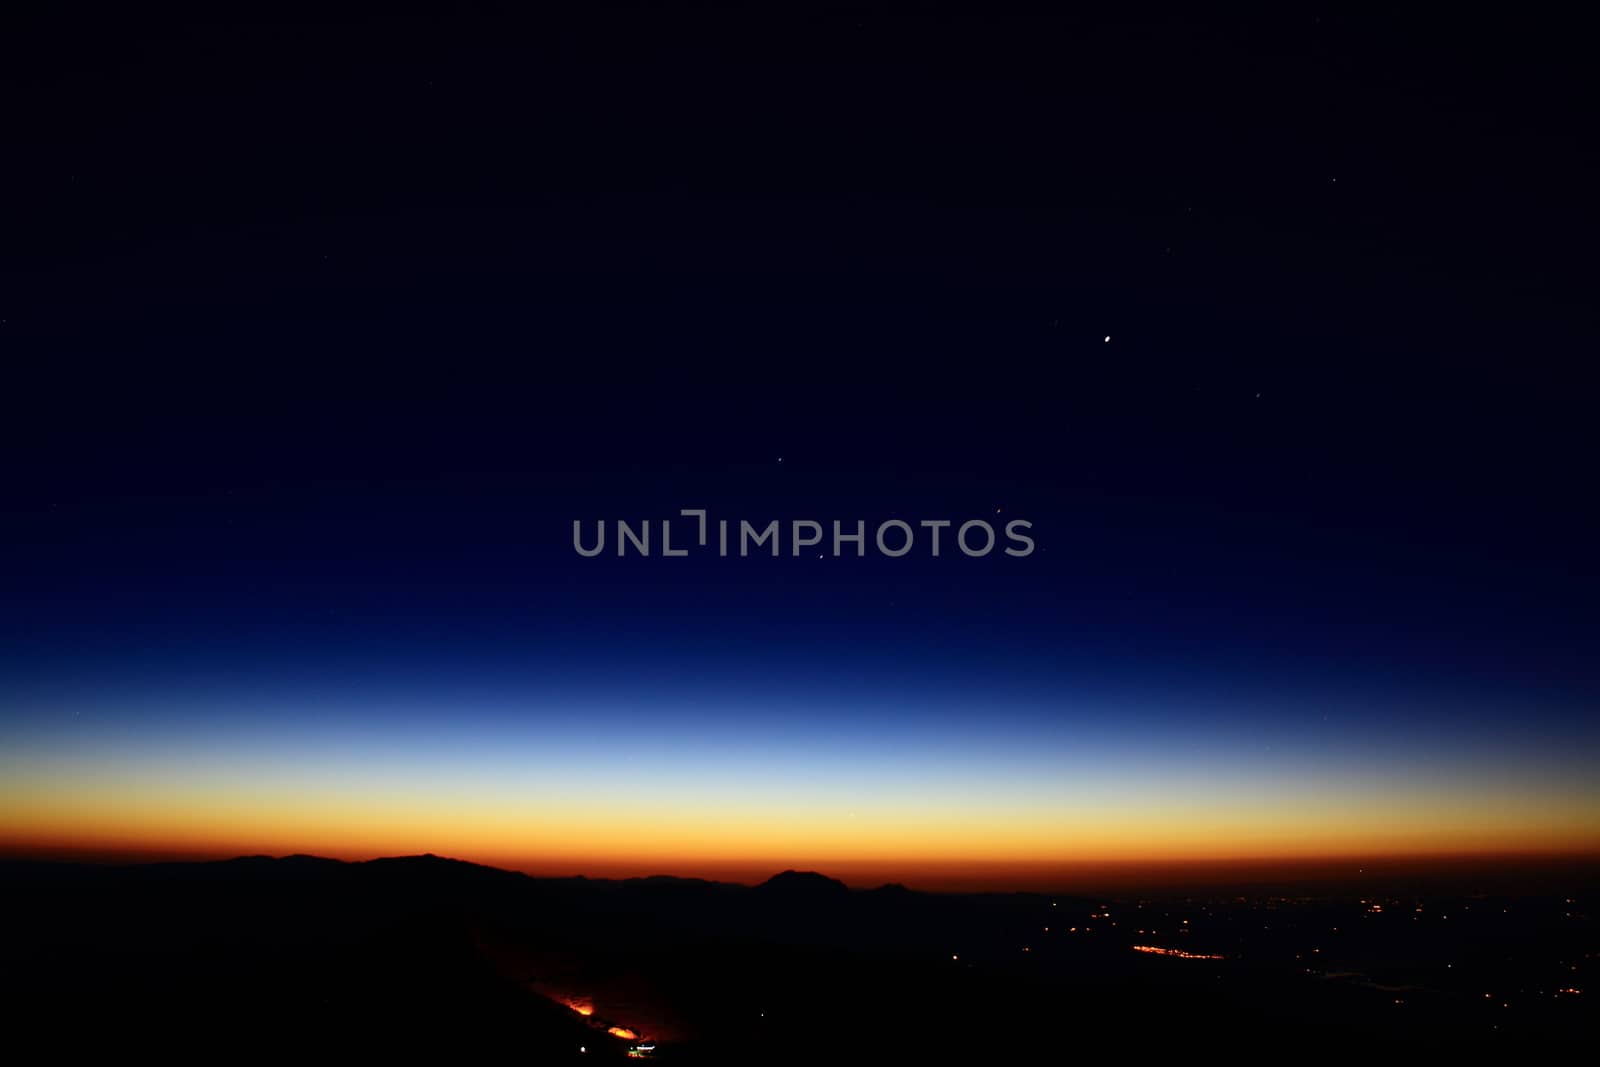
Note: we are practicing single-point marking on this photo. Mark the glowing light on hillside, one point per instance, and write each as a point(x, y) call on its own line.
point(1176, 952)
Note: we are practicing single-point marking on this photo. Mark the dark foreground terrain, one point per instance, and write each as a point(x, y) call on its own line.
point(425, 955)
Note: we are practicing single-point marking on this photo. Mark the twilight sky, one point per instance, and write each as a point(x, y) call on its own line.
point(319, 337)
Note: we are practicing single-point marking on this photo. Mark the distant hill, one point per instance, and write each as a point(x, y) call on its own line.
point(415, 952)
point(804, 884)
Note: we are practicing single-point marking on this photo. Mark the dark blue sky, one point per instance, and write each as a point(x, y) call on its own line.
point(319, 335)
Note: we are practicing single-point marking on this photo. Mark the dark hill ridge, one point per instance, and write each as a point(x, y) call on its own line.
point(804, 883)
point(426, 949)
point(436, 869)
point(425, 867)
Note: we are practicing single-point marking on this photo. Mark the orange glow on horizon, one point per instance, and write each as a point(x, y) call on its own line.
point(922, 872)
point(925, 843)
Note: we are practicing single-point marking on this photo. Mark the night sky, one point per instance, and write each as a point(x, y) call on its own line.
point(317, 335)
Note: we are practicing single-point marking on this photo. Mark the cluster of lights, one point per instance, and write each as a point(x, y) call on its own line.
point(1178, 952)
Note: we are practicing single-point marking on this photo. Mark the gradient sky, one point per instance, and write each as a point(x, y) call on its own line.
point(315, 363)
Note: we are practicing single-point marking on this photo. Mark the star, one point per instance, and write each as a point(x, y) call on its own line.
point(1108, 339)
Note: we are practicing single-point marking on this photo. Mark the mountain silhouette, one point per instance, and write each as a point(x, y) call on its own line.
point(800, 884)
point(421, 951)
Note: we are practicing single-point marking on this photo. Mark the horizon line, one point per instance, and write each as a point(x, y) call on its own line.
point(941, 876)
